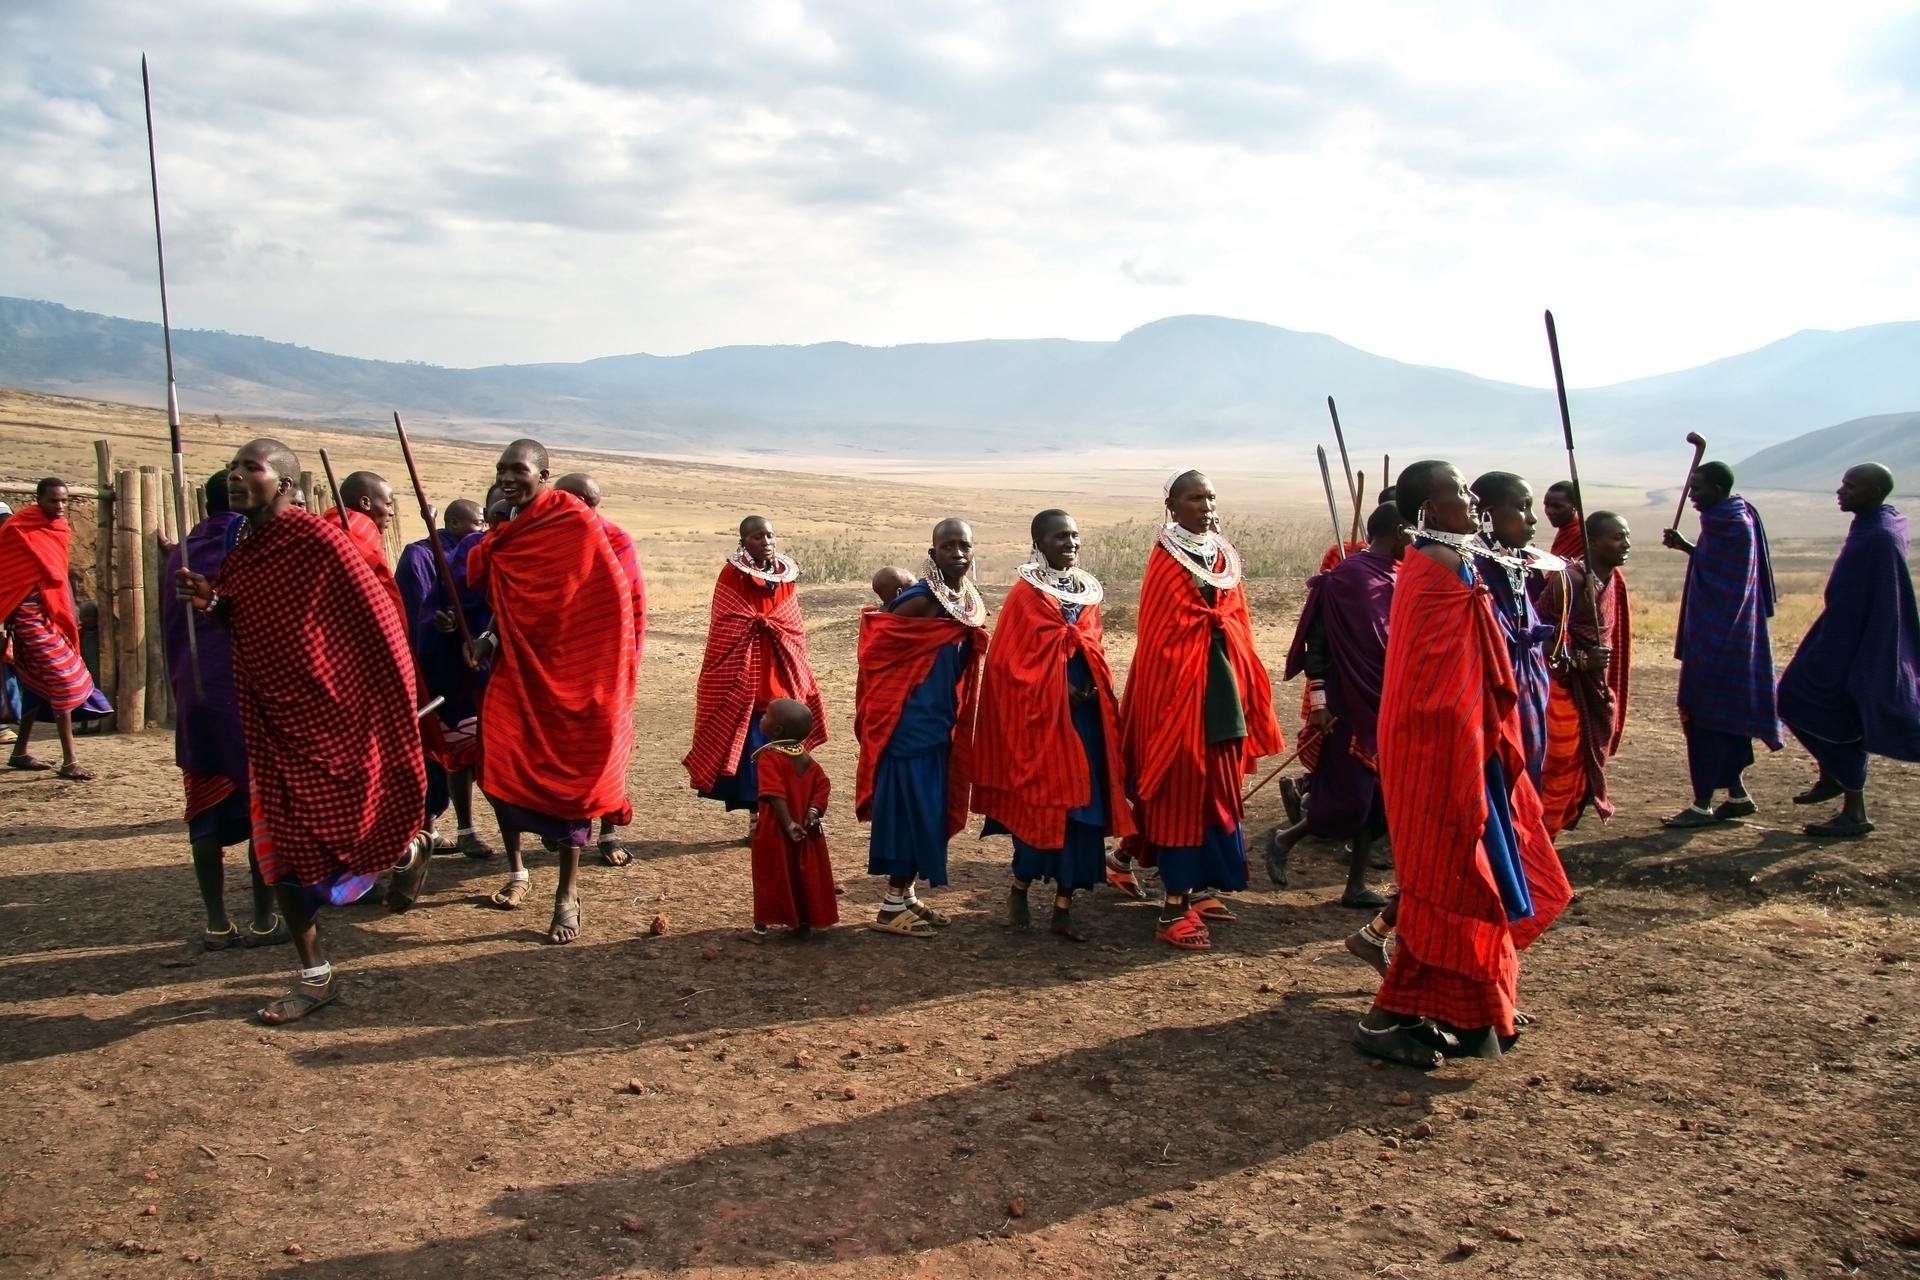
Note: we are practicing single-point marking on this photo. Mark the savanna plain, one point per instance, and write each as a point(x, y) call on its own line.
point(1722, 1080)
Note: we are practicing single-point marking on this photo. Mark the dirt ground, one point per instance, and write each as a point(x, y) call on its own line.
point(1723, 1079)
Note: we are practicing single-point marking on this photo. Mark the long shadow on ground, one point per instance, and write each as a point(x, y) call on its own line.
point(1143, 1115)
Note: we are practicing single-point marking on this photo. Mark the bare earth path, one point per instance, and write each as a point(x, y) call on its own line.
point(1723, 1081)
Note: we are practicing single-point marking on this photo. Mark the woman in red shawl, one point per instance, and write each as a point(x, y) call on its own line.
point(1198, 715)
point(1047, 743)
point(1587, 712)
point(37, 611)
point(1479, 879)
point(756, 653)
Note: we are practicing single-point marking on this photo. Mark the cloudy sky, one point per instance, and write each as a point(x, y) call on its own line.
point(486, 182)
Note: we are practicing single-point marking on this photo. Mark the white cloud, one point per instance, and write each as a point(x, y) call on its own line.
point(505, 181)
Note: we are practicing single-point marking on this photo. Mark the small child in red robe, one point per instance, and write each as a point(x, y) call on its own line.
point(792, 877)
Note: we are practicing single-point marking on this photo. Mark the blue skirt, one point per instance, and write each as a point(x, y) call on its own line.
point(1219, 861)
point(741, 788)
point(908, 839)
point(1080, 864)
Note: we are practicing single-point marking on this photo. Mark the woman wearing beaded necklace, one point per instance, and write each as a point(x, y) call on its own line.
point(1479, 879)
point(919, 659)
point(1198, 715)
point(756, 653)
point(1047, 745)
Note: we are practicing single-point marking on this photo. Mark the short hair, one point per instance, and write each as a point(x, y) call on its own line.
point(1041, 519)
point(1564, 486)
point(216, 490)
point(1497, 485)
point(1416, 485)
point(1718, 472)
point(1598, 520)
point(753, 520)
point(358, 485)
point(533, 448)
point(1384, 522)
point(1882, 479)
point(1386, 495)
point(467, 507)
point(48, 485)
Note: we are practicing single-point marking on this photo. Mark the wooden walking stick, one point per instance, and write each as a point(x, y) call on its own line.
point(1306, 739)
point(339, 507)
point(1699, 443)
point(173, 396)
point(1333, 511)
point(440, 562)
point(1360, 481)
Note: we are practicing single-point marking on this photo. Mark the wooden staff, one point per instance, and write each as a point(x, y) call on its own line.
point(338, 506)
point(433, 537)
point(1306, 739)
point(1360, 480)
point(1699, 443)
point(173, 396)
point(1333, 511)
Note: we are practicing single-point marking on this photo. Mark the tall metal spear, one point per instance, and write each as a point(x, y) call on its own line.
point(1340, 438)
point(1566, 430)
point(1333, 511)
point(173, 395)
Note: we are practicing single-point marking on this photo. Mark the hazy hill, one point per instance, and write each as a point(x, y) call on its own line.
point(1815, 461)
point(1236, 381)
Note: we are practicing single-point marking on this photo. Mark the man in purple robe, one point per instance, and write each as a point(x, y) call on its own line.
point(1853, 687)
point(1341, 645)
point(1724, 647)
point(451, 734)
point(207, 739)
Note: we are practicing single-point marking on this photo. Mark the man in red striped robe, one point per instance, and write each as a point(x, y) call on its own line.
point(756, 653)
point(1479, 878)
point(556, 721)
point(38, 614)
point(1587, 710)
point(1563, 513)
point(325, 690)
point(1047, 767)
point(1198, 715)
point(587, 489)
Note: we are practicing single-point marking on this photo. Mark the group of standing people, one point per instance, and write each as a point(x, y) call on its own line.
point(1462, 696)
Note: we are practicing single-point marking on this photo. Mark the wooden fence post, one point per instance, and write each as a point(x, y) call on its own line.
point(104, 594)
point(152, 500)
point(309, 493)
point(129, 605)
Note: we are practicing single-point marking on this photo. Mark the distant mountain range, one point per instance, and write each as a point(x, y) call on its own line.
point(1249, 384)
point(1816, 460)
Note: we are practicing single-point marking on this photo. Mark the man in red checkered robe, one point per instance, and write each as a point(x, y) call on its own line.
point(325, 690)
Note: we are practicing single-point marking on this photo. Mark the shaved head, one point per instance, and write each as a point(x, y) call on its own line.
point(580, 485)
point(1873, 479)
point(463, 515)
point(276, 455)
point(951, 526)
point(363, 486)
point(532, 449)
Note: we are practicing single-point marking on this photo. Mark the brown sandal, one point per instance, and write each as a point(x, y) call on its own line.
point(299, 1002)
point(513, 893)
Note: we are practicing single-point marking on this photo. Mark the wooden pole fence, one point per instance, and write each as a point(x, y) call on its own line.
point(129, 605)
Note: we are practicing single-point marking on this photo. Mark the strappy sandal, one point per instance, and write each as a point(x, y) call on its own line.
point(1062, 926)
point(1823, 790)
point(299, 1002)
point(1277, 855)
point(1185, 933)
point(473, 846)
point(75, 772)
point(1211, 910)
point(932, 915)
point(1363, 898)
point(513, 893)
point(1729, 809)
point(1362, 946)
point(1122, 879)
point(410, 877)
point(28, 764)
point(614, 854)
point(1691, 817)
point(566, 915)
point(902, 923)
point(220, 939)
point(1019, 911)
point(1397, 1045)
point(278, 935)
